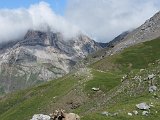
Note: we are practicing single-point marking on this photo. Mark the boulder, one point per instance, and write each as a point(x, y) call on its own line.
point(135, 112)
point(130, 114)
point(151, 76)
point(95, 89)
point(151, 104)
point(145, 113)
point(152, 88)
point(40, 117)
point(143, 106)
point(141, 70)
point(105, 113)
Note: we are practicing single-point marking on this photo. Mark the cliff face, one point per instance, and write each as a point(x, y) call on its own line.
point(39, 57)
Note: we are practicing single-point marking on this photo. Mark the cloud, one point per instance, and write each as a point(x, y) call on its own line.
point(14, 23)
point(100, 19)
point(105, 19)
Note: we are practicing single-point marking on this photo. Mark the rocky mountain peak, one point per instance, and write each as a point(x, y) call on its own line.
point(40, 38)
point(41, 56)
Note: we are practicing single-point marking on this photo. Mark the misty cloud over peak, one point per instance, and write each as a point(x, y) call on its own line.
point(14, 23)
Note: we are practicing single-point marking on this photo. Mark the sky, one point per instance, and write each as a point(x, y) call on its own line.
point(101, 20)
point(57, 5)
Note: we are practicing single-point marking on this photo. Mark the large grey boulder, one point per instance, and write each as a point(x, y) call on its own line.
point(143, 106)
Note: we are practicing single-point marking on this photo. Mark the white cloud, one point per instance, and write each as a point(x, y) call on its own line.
point(104, 19)
point(14, 23)
point(100, 19)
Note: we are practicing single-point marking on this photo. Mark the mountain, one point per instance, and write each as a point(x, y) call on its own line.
point(109, 89)
point(39, 57)
point(119, 82)
point(118, 39)
point(147, 31)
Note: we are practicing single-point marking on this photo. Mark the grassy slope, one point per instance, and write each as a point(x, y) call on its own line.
point(23, 104)
point(135, 57)
point(103, 81)
point(130, 61)
point(114, 96)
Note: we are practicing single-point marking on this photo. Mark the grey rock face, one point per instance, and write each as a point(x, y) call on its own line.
point(39, 57)
point(21, 56)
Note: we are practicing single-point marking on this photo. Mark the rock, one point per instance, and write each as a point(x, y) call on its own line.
point(151, 105)
point(95, 89)
point(135, 112)
point(105, 113)
point(130, 114)
point(137, 78)
point(152, 88)
point(145, 113)
point(143, 106)
point(141, 70)
point(62, 115)
point(124, 77)
point(151, 76)
point(40, 117)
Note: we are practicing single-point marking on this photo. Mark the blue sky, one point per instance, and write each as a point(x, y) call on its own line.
point(57, 5)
